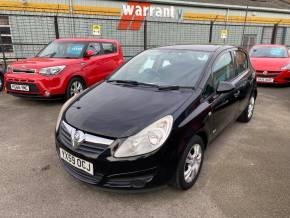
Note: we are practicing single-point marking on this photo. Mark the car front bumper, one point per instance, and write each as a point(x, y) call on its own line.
point(282, 77)
point(125, 173)
point(39, 86)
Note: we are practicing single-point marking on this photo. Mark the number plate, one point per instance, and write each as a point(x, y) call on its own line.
point(77, 162)
point(17, 87)
point(265, 80)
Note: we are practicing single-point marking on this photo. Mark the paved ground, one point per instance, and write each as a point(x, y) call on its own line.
point(246, 171)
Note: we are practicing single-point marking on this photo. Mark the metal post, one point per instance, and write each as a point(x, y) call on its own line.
point(3, 53)
point(244, 27)
point(274, 34)
point(210, 31)
point(56, 27)
point(145, 34)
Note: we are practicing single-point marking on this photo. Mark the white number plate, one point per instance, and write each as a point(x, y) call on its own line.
point(20, 87)
point(265, 80)
point(77, 162)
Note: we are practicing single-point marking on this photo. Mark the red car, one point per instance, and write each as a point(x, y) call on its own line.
point(272, 63)
point(64, 68)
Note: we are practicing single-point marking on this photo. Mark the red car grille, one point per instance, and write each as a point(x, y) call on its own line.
point(271, 74)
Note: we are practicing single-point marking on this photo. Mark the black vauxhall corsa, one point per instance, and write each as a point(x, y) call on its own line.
point(150, 122)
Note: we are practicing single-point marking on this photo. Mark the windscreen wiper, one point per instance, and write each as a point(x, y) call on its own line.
point(164, 88)
point(132, 82)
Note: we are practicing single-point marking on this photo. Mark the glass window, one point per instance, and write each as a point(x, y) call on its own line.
point(63, 49)
point(269, 52)
point(108, 48)
point(223, 69)
point(242, 62)
point(96, 47)
point(165, 67)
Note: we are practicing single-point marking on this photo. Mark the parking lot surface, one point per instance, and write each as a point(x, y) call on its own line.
point(246, 172)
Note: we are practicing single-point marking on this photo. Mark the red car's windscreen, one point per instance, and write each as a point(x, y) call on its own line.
point(268, 52)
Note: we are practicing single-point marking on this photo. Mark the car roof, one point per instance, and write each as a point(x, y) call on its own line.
point(86, 40)
point(209, 48)
point(268, 45)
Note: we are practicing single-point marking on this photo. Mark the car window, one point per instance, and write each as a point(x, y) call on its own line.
point(223, 68)
point(242, 62)
point(96, 47)
point(209, 89)
point(165, 67)
point(269, 52)
point(108, 48)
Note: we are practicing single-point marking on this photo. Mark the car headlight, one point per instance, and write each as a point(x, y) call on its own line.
point(149, 139)
point(62, 110)
point(48, 71)
point(287, 67)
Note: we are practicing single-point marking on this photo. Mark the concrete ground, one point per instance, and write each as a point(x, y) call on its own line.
point(246, 172)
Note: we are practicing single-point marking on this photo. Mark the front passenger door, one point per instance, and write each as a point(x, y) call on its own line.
point(224, 105)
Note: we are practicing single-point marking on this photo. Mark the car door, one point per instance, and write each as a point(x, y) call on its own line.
point(110, 58)
point(244, 78)
point(224, 105)
point(92, 66)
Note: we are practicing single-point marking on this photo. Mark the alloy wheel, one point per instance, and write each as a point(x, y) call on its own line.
point(76, 88)
point(192, 163)
point(251, 107)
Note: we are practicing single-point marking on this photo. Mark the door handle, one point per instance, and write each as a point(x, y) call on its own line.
point(237, 93)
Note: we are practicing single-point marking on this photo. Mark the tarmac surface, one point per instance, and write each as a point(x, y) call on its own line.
point(246, 172)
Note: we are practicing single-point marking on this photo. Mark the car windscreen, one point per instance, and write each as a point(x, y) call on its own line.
point(268, 52)
point(64, 49)
point(164, 67)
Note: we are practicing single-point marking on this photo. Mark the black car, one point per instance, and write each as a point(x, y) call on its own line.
point(150, 122)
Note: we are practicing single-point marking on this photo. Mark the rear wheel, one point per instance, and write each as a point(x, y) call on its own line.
point(190, 164)
point(247, 114)
point(75, 86)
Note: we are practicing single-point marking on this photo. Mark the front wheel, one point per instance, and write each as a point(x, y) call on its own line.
point(189, 166)
point(247, 114)
point(75, 86)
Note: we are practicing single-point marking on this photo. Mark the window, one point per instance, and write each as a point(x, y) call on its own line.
point(5, 33)
point(108, 48)
point(249, 40)
point(96, 47)
point(223, 69)
point(242, 62)
point(209, 89)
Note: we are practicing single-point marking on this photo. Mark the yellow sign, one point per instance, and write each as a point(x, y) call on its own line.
point(96, 30)
point(224, 34)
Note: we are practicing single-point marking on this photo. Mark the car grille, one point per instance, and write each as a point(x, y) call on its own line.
point(270, 74)
point(91, 147)
point(23, 70)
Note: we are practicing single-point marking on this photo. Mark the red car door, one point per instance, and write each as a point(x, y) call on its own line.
point(111, 57)
point(93, 65)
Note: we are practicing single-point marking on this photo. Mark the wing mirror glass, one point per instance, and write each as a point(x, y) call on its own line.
point(225, 87)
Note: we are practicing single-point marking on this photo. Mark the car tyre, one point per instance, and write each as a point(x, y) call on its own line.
point(75, 86)
point(247, 114)
point(190, 164)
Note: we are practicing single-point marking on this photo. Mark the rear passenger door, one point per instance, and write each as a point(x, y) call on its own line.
point(244, 79)
point(110, 58)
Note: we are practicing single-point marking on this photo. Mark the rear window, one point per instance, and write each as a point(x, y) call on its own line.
point(108, 48)
point(268, 52)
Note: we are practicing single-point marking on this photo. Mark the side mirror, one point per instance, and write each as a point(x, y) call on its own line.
point(225, 87)
point(89, 53)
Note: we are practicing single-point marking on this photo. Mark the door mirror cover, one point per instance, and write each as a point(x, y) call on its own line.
point(225, 87)
point(89, 53)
